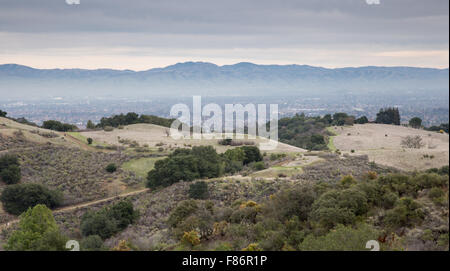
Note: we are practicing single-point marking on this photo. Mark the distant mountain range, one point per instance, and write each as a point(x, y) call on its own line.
point(200, 78)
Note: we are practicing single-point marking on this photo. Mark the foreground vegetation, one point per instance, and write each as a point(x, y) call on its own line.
point(198, 199)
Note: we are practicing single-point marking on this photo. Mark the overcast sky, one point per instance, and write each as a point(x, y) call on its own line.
point(142, 34)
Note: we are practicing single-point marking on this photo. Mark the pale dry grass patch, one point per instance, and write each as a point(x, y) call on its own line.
point(383, 144)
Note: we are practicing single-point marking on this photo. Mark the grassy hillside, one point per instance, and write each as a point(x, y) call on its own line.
point(156, 137)
point(383, 144)
point(292, 200)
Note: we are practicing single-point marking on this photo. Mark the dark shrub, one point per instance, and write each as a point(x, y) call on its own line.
point(92, 243)
point(388, 200)
point(182, 211)
point(98, 223)
point(296, 201)
point(185, 165)
point(226, 141)
point(362, 120)
point(17, 198)
point(406, 213)
point(388, 116)
point(402, 184)
point(173, 169)
point(111, 168)
point(8, 160)
point(252, 154)
point(11, 174)
point(258, 165)
point(124, 213)
point(339, 207)
point(9, 169)
point(198, 190)
point(109, 220)
point(58, 126)
point(435, 193)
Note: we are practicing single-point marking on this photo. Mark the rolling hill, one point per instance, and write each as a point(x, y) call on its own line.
point(200, 78)
point(283, 206)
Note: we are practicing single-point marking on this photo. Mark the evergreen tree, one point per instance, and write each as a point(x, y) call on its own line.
point(415, 122)
point(390, 115)
point(37, 231)
point(90, 125)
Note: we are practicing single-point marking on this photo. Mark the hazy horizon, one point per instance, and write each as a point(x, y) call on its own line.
point(221, 65)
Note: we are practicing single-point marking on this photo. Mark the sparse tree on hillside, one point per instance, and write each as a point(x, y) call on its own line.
point(388, 116)
point(415, 122)
point(90, 125)
point(58, 126)
point(362, 120)
point(3, 113)
point(339, 119)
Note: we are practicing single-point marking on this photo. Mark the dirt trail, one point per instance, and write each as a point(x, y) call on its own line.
point(80, 205)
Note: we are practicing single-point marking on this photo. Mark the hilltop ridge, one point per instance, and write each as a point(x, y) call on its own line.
point(203, 78)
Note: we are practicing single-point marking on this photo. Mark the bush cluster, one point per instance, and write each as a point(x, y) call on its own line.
point(58, 126)
point(312, 216)
point(200, 162)
point(133, 118)
point(17, 198)
point(108, 221)
point(309, 132)
point(10, 169)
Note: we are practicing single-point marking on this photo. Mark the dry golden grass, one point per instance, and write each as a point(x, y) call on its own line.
point(154, 135)
point(8, 128)
point(382, 143)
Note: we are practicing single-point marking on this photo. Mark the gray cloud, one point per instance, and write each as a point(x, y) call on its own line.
point(196, 24)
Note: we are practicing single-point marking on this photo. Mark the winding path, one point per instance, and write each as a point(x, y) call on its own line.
point(80, 205)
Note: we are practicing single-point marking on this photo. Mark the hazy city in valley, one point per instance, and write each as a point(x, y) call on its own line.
point(224, 127)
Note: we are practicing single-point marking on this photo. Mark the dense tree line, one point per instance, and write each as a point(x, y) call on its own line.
point(200, 162)
point(58, 126)
point(390, 115)
point(443, 127)
point(17, 198)
point(133, 118)
point(10, 172)
point(309, 132)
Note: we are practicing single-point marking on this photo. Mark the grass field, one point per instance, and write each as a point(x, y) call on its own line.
point(82, 138)
point(330, 144)
point(382, 143)
point(156, 136)
point(277, 171)
point(141, 166)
